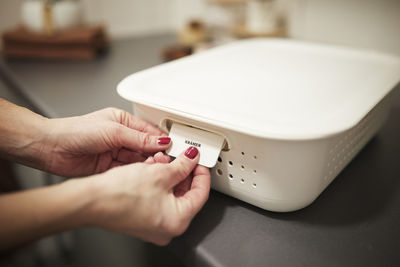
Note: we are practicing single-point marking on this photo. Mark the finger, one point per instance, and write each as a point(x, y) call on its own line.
point(182, 166)
point(141, 142)
point(148, 154)
point(144, 126)
point(157, 158)
point(115, 164)
point(127, 156)
point(194, 199)
point(150, 160)
point(135, 123)
point(127, 119)
point(162, 158)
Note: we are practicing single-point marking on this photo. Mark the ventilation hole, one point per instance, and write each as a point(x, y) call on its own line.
point(255, 171)
point(242, 181)
point(254, 157)
point(219, 171)
point(219, 159)
point(254, 185)
point(242, 167)
point(242, 153)
point(230, 176)
point(230, 163)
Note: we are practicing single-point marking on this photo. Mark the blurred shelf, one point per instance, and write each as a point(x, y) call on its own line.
point(226, 2)
point(241, 31)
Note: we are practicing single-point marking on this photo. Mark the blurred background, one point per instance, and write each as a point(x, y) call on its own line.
point(372, 24)
point(64, 58)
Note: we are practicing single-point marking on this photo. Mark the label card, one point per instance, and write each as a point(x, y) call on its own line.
point(209, 144)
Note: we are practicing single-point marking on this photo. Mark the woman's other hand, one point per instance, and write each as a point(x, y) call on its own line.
point(154, 201)
point(96, 142)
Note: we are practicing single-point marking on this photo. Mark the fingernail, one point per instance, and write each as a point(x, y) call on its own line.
point(191, 152)
point(164, 140)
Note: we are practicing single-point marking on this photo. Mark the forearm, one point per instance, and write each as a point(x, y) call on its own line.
point(21, 134)
point(29, 215)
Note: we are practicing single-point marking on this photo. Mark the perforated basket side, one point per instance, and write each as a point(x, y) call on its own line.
point(346, 146)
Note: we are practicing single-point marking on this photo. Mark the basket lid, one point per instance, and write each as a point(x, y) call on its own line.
point(270, 88)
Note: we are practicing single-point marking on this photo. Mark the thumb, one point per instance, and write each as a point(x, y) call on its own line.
point(183, 165)
point(142, 142)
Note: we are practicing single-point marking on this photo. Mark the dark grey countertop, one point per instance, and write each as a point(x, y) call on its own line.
point(355, 221)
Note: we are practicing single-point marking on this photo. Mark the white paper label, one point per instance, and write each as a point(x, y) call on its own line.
point(209, 144)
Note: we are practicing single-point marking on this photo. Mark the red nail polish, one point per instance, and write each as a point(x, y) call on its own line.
point(164, 140)
point(191, 152)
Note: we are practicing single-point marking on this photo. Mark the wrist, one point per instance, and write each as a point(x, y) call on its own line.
point(22, 134)
point(104, 201)
point(32, 149)
point(84, 198)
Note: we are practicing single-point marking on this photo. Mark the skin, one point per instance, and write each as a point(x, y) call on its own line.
point(128, 185)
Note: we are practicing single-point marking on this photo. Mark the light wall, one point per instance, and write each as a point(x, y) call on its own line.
point(9, 13)
point(131, 17)
point(372, 24)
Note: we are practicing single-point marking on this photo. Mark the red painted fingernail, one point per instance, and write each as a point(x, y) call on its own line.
point(164, 140)
point(191, 152)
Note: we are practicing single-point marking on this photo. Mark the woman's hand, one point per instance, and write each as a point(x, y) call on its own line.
point(76, 146)
point(96, 142)
point(154, 201)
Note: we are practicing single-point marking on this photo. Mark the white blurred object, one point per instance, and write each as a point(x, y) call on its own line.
point(219, 17)
point(262, 16)
point(67, 14)
point(64, 15)
point(31, 15)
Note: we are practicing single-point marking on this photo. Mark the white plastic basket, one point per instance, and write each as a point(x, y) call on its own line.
point(293, 114)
